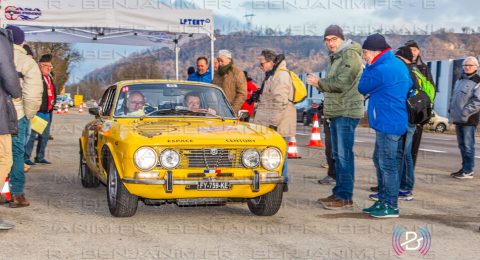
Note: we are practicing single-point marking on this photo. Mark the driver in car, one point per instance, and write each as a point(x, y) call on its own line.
point(135, 103)
point(192, 102)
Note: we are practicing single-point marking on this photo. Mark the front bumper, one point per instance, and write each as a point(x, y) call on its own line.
point(169, 182)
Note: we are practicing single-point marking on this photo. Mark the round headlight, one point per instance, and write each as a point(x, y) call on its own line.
point(169, 158)
point(250, 158)
point(271, 158)
point(145, 158)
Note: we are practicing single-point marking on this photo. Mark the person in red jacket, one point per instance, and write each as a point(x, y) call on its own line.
point(251, 87)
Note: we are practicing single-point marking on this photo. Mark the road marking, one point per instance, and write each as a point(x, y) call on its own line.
point(441, 139)
point(359, 141)
point(432, 151)
point(302, 134)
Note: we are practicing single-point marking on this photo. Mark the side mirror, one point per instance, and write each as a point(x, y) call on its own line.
point(243, 114)
point(95, 111)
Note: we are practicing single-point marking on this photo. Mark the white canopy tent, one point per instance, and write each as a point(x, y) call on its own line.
point(124, 22)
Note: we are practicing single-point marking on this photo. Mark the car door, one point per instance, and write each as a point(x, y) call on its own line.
point(105, 109)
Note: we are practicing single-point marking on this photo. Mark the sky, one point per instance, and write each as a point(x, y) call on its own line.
point(307, 17)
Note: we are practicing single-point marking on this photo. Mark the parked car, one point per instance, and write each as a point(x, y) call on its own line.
point(306, 110)
point(179, 142)
point(437, 123)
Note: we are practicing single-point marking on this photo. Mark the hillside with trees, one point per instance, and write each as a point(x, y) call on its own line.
point(303, 54)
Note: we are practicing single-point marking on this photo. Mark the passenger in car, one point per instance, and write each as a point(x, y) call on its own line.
point(192, 102)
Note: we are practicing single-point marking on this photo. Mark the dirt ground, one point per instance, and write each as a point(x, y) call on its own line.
point(66, 221)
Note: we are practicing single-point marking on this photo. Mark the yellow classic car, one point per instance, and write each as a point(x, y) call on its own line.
point(180, 142)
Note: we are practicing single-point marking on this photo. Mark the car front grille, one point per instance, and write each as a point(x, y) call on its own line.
point(211, 158)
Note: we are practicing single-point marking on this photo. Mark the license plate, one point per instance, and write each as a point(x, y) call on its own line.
point(207, 185)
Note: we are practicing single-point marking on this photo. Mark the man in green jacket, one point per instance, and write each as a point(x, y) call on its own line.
point(343, 106)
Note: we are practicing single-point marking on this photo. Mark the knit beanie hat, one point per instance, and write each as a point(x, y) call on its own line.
point(334, 30)
point(375, 42)
point(405, 52)
point(17, 33)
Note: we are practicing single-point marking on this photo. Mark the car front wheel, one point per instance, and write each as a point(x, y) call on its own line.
point(120, 201)
point(268, 204)
point(440, 128)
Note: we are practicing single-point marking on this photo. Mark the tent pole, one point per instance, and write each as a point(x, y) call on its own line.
point(2, 18)
point(212, 58)
point(177, 49)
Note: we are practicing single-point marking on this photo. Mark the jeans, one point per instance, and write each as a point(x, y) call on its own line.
point(387, 160)
point(466, 143)
point(17, 173)
point(42, 141)
point(417, 138)
point(328, 149)
point(407, 176)
point(342, 133)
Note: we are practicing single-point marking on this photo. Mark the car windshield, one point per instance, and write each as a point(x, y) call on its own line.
point(170, 100)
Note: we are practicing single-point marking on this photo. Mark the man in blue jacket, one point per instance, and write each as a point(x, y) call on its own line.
point(203, 71)
point(386, 81)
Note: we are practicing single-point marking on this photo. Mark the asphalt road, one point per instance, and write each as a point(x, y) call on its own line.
point(437, 151)
point(66, 221)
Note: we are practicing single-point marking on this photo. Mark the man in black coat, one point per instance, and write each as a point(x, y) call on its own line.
point(423, 67)
point(45, 112)
point(9, 88)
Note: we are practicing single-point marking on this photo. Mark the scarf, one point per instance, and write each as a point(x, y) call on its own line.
point(222, 71)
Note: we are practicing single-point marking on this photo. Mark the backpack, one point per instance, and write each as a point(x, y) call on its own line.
point(299, 89)
point(425, 85)
point(419, 105)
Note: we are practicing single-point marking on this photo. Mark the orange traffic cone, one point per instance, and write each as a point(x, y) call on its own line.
point(292, 150)
point(60, 109)
point(316, 138)
point(6, 190)
point(80, 109)
point(66, 109)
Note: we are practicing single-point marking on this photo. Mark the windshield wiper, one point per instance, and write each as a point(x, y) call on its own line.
point(176, 111)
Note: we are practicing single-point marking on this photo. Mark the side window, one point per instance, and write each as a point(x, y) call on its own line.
point(107, 100)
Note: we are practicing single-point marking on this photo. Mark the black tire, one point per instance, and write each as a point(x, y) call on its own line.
point(440, 128)
point(268, 204)
point(120, 202)
point(86, 176)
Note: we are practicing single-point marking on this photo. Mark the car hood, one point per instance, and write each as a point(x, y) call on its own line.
point(199, 132)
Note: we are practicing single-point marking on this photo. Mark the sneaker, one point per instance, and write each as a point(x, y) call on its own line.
point(377, 205)
point(374, 189)
point(373, 196)
point(19, 201)
point(5, 226)
point(464, 175)
point(456, 173)
point(42, 161)
point(385, 211)
point(327, 199)
point(338, 204)
point(327, 180)
point(405, 195)
point(324, 165)
point(29, 162)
